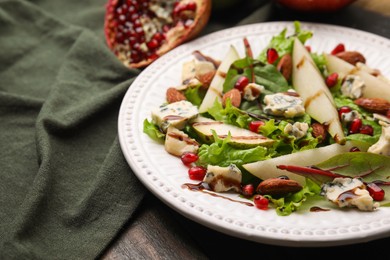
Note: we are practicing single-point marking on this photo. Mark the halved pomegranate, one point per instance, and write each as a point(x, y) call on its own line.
point(140, 31)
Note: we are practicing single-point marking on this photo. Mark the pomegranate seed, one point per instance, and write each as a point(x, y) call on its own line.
point(354, 149)
point(135, 55)
point(188, 158)
point(133, 40)
point(141, 37)
point(339, 48)
point(152, 44)
point(145, 5)
point(272, 55)
point(331, 80)
point(132, 10)
point(197, 173)
point(248, 190)
point(367, 130)
point(134, 17)
point(128, 33)
point(344, 109)
point(132, 33)
point(135, 3)
point(191, 6)
point(177, 10)
point(120, 37)
point(261, 202)
point(241, 83)
point(376, 192)
point(139, 30)
point(255, 125)
point(120, 11)
point(137, 23)
point(158, 37)
point(137, 47)
point(355, 126)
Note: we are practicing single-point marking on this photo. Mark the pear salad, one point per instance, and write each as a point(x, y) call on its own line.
point(284, 128)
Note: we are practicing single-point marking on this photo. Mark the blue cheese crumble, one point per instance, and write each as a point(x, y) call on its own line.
point(175, 114)
point(298, 129)
point(252, 91)
point(382, 146)
point(352, 86)
point(221, 179)
point(177, 142)
point(285, 105)
point(349, 192)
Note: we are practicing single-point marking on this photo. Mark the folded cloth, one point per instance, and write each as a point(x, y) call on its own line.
point(65, 187)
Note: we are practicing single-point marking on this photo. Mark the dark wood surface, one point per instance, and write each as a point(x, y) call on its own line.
point(158, 232)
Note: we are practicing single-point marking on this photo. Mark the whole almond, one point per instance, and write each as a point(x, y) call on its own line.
point(174, 95)
point(351, 57)
point(206, 78)
point(235, 97)
point(374, 105)
point(278, 187)
point(285, 66)
point(319, 130)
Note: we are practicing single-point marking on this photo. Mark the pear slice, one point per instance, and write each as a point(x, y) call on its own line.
point(240, 137)
point(267, 169)
point(310, 85)
point(216, 86)
point(374, 86)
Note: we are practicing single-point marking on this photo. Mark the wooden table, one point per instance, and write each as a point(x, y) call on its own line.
point(379, 6)
point(158, 232)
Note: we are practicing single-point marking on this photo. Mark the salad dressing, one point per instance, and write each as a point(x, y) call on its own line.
point(202, 188)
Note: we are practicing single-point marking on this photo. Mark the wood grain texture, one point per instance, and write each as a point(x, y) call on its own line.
point(154, 234)
point(379, 6)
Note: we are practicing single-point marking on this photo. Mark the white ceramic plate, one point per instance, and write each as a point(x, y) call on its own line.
point(164, 174)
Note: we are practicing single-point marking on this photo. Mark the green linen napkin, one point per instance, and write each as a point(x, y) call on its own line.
point(65, 187)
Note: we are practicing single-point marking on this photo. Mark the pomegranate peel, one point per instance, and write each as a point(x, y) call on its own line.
point(140, 31)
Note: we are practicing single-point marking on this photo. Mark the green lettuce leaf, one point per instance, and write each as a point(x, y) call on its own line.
point(221, 153)
point(195, 94)
point(286, 205)
point(266, 75)
point(153, 131)
point(229, 114)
